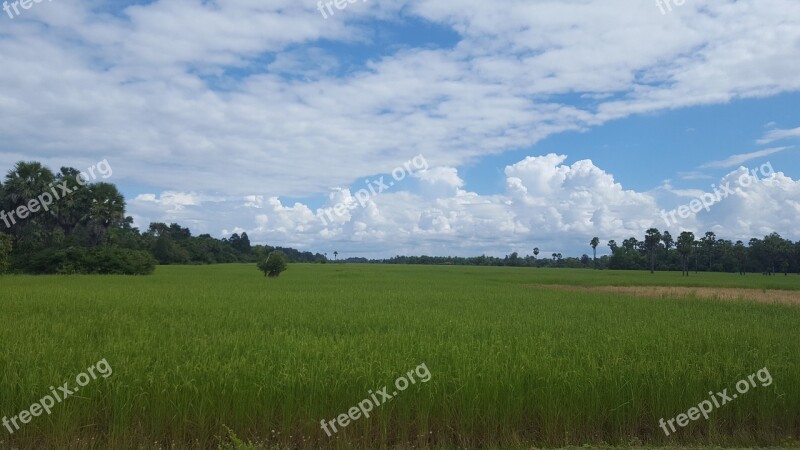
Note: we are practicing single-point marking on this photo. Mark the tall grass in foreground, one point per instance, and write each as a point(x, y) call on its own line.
point(198, 349)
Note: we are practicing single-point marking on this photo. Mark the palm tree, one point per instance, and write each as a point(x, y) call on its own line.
point(651, 241)
point(27, 181)
point(685, 244)
point(612, 244)
point(107, 210)
point(666, 238)
point(536, 252)
point(595, 242)
point(335, 256)
point(709, 241)
point(70, 212)
point(741, 256)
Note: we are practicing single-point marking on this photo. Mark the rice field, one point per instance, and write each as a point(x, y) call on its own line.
point(208, 357)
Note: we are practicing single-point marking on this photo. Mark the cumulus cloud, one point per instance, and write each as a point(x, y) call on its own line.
point(547, 203)
point(202, 87)
point(247, 102)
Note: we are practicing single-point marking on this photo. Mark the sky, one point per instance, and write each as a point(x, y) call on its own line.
point(439, 127)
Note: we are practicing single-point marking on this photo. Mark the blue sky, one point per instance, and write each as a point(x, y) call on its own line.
point(541, 123)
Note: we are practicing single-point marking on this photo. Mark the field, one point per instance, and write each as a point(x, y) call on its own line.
point(203, 355)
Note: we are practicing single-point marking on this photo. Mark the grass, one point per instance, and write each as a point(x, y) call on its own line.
point(210, 356)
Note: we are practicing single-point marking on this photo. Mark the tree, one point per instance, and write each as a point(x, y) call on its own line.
point(107, 210)
point(158, 228)
point(696, 247)
point(244, 244)
point(595, 242)
point(336, 256)
point(652, 240)
point(666, 238)
point(5, 252)
point(585, 260)
point(536, 252)
point(776, 251)
point(612, 244)
point(709, 242)
point(25, 183)
point(274, 264)
point(740, 252)
point(167, 252)
point(71, 212)
point(684, 246)
point(630, 244)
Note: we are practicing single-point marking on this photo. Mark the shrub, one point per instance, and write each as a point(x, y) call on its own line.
point(5, 252)
point(81, 260)
point(275, 263)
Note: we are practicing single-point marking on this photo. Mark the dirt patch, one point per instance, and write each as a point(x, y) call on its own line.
point(755, 295)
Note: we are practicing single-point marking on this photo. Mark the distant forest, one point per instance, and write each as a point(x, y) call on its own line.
point(86, 231)
point(58, 223)
point(657, 252)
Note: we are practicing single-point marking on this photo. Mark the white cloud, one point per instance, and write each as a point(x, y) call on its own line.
point(737, 160)
point(227, 106)
point(547, 203)
point(778, 135)
point(163, 83)
point(694, 175)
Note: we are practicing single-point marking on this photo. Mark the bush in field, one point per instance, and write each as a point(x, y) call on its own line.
point(275, 263)
point(5, 252)
point(81, 260)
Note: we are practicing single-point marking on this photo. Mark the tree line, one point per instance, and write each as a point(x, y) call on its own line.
point(87, 231)
point(657, 251)
point(660, 251)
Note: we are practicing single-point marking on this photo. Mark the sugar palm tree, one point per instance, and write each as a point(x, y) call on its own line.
point(107, 210)
point(595, 242)
point(26, 182)
point(652, 239)
point(684, 246)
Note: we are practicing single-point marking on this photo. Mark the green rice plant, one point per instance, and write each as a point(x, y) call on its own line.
point(514, 364)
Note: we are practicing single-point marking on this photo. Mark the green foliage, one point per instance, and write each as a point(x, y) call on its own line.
point(168, 252)
point(83, 260)
point(234, 442)
point(93, 216)
point(6, 245)
point(275, 264)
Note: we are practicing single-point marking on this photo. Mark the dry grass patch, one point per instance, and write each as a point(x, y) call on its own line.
point(755, 295)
